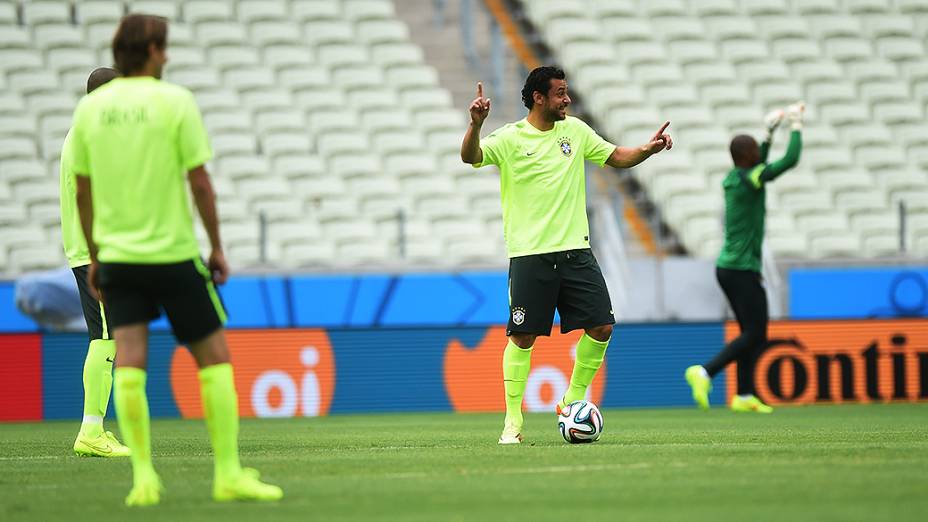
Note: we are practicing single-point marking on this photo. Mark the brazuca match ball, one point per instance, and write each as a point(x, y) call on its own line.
point(580, 422)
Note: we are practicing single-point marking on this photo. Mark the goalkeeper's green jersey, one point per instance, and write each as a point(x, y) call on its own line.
point(542, 183)
point(746, 206)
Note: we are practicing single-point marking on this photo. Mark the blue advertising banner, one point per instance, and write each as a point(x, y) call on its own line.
point(310, 372)
point(858, 293)
point(340, 301)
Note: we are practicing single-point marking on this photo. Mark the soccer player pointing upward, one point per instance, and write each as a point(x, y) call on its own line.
point(138, 143)
point(543, 189)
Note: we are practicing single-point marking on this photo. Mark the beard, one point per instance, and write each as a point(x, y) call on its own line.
point(557, 114)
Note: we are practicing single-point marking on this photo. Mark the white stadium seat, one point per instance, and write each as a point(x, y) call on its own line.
point(196, 11)
point(327, 112)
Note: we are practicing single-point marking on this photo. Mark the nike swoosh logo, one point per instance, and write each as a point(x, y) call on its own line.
point(109, 359)
point(529, 153)
point(100, 449)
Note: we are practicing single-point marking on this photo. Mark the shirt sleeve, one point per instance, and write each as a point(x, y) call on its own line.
point(789, 160)
point(595, 147)
point(493, 147)
point(193, 141)
point(77, 148)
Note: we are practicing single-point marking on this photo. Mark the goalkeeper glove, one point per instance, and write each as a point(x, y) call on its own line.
point(795, 113)
point(772, 120)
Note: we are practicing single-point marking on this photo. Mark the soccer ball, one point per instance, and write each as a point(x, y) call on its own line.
point(580, 422)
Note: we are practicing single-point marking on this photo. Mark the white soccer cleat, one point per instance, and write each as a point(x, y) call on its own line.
point(511, 435)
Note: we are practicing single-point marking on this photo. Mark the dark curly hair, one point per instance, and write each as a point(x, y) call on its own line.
point(540, 80)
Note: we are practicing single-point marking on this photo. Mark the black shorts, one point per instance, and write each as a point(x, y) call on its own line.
point(569, 281)
point(94, 314)
point(135, 293)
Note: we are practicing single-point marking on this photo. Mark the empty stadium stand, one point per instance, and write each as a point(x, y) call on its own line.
point(323, 116)
point(714, 67)
point(326, 120)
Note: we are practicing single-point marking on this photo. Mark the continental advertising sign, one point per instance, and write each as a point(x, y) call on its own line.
point(809, 362)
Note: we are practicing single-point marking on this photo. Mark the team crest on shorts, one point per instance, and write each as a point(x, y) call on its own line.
point(518, 315)
point(565, 146)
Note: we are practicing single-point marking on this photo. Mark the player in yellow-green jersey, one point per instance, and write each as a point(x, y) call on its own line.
point(543, 190)
point(92, 440)
point(138, 143)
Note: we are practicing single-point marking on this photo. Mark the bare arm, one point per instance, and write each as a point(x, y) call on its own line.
point(479, 110)
point(205, 198)
point(626, 157)
point(85, 211)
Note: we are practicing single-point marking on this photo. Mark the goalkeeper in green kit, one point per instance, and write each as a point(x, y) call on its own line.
point(739, 265)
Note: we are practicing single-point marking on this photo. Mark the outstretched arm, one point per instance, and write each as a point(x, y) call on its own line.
point(479, 110)
point(793, 150)
point(626, 157)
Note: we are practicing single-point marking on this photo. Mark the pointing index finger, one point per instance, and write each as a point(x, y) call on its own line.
point(663, 128)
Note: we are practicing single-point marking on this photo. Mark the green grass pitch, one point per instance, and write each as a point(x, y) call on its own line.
point(814, 463)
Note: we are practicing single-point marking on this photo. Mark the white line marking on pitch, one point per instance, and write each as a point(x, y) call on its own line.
point(529, 471)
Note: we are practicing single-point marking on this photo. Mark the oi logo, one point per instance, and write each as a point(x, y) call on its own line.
point(277, 374)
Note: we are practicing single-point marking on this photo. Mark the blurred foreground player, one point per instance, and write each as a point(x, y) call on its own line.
point(92, 440)
point(543, 189)
point(137, 140)
point(738, 268)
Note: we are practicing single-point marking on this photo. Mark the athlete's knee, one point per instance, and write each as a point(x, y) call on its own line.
point(132, 345)
point(523, 340)
point(600, 333)
point(210, 350)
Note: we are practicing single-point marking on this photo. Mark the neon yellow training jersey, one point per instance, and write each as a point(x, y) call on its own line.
point(543, 183)
point(136, 138)
point(72, 237)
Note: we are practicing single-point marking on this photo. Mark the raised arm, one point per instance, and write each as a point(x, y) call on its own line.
point(789, 160)
point(205, 198)
point(771, 121)
point(479, 110)
point(626, 157)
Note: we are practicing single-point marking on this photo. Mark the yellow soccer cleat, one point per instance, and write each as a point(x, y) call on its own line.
point(701, 384)
point(245, 486)
point(146, 490)
point(750, 404)
point(511, 435)
point(103, 445)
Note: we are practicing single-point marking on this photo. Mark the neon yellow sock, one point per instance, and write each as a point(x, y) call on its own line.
point(516, 364)
point(98, 382)
point(590, 354)
point(134, 421)
point(220, 407)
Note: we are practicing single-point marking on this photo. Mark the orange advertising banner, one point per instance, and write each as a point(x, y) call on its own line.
point(278, 373)
point(809, 362)
point(474, 376)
